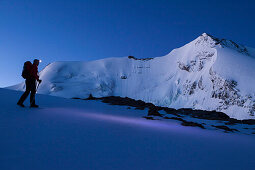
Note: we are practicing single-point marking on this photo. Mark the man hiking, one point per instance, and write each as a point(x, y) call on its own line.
point(30, 73)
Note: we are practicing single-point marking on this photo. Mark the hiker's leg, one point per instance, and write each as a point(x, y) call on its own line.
point(33, 91)
point(25, 94)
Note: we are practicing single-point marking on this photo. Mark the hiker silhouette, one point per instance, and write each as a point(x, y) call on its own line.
point(30, 73)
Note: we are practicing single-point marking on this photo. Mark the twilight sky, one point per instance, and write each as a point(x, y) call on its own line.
point(84, 30)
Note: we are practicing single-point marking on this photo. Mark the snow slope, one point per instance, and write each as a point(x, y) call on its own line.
point(78, 134)
point(207, 73)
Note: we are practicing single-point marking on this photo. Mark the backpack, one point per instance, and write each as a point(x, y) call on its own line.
point(26, 70)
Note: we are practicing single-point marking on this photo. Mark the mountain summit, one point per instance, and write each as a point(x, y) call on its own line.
point(208, 73)
point(225, 43)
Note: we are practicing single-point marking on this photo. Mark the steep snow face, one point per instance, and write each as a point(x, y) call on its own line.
point(207, 73)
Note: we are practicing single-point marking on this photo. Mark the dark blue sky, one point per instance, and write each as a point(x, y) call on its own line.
point(58, 30)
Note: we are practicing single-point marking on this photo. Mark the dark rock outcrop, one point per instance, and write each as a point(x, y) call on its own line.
point(154, 111)
point(227, 129)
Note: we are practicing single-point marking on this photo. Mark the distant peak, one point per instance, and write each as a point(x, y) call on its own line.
point(205, 34)
point(212, 41)
point(205, 40)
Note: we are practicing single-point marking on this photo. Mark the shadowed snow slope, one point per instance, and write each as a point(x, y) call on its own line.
point(77, 134)
point(207, 73)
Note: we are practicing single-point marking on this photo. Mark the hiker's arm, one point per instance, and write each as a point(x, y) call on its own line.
point(34, 73)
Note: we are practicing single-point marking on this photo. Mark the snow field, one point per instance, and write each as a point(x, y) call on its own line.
point(78, 134)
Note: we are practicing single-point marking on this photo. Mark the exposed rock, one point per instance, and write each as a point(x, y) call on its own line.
point(248, 121)
point(227, 129)
point(226, 91)
point(174, 118)
point(143, 59)
point(186, 123)
point(91, 97)
point(76, 98)
point(149, 118)
point(153, 111)
point(198, 63)
point(123, 77)
point(202, 114)
point(200, 83)
point(230, 44)
point(171, 111)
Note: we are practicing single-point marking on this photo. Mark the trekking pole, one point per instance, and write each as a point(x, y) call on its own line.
point(37, 86)
point(35, 93)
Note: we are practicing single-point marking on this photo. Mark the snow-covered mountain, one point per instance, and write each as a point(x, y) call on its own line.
point(208, 73)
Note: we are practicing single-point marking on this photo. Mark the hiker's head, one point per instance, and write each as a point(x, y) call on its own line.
point(36, 62)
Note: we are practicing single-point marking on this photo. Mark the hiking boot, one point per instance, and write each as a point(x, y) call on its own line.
point(34, 105)
point(21, 105)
